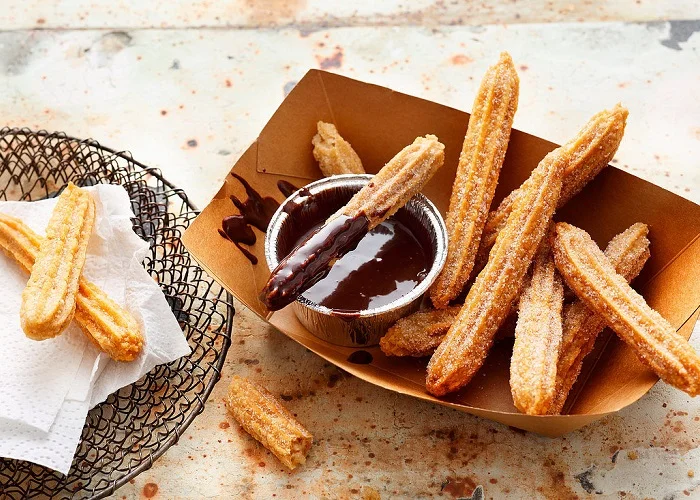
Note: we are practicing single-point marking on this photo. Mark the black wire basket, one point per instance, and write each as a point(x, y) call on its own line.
point(124, 435)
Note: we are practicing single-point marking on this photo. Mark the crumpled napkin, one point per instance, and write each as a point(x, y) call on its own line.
point(49, 386)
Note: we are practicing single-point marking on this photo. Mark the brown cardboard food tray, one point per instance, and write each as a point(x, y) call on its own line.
point(378, 122)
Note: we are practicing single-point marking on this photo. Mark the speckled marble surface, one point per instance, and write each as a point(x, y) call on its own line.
point(186, 87)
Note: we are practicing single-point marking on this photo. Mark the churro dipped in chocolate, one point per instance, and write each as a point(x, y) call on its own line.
point(464, 349)
point(479, 166)
point(592, 277)
point(390, 189)
point(627, 252)
point(333, 153)
point(538, 334)
point(597, 143)
point(268, 421)
point(109, 326)
point(48, 301)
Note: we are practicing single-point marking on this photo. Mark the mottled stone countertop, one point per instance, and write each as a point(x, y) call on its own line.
point(186, 86)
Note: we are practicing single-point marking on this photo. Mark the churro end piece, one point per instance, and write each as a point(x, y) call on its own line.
point(334, 154)
point(263, 417)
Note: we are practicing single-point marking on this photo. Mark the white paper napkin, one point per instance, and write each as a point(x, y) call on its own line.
point(113, 262)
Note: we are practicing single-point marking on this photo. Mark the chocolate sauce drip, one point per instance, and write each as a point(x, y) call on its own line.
point(256, 210)
point(286, 188)
point(311, 260)
point(238, 230)
point(252, 258)
point(361, 357)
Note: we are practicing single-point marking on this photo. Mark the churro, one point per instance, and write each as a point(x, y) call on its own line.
point(538, 334)
point(592, 277)
point(109, 326)
point(490, 299)
point(333, 153)
point(480, 163)
point(262, 416)
point(597, 143)
point(627, 252)
point(390, 189)
point(420, 333)
point(48, 301)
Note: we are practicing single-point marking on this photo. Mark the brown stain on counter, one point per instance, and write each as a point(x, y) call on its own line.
point(272, 12)
point(150, 490)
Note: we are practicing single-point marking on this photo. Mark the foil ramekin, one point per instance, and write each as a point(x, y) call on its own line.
point(365, 327)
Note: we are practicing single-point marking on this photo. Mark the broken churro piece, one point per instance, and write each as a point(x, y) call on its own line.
point(109, 326)
point(263, 417)
point(490, 299)
point(593, 278)
point(390, 189)
point(479, 166)
point(420, 333)
point(627, 252)
point(596, 144)
point(538, 334)
point(333, 153)
point(48, 301)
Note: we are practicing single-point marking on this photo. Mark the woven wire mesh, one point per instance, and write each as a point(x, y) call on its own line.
point(134, 426)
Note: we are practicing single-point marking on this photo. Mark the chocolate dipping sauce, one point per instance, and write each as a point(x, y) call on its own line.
point(387, 263)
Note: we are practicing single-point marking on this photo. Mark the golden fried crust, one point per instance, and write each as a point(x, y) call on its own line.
point(592, 277)
point(263, 417)
point(627, 252)
point(398, 181)
point(596, 144)
point(110, 327)
point(420, 333)
point(333, 153)
point(48, 301)
point(468, 341)
point(538, 333)
point(477, 176)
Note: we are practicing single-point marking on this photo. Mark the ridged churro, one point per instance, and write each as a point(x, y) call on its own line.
point(420, 333)
point(333, 153)
point(538, 334)
point(109, 326)
point(592, 277)
point(480, 163)
point(48, 301)
point(390, 189)
point(597, 143)
point(263, 417)
point(490, 299)
point(627, 252)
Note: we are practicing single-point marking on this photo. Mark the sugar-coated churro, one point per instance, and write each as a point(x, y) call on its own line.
point(592, 277)
point(420, 333)
point(538, 334)
point(627, 252)
point(480, 163)
point(48, 301)
point(390, 189)
point(109, 326)
point(333, 153)
point(490, 299)
point(263, 417)
point(596, 142)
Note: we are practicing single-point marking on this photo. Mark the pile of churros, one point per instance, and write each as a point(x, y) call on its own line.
point(519, 260)
point(56, 292)
point(514, 260)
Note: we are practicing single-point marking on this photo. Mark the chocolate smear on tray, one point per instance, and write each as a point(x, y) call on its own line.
point(361, 357)
point(286, 188)
point(256, 211)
